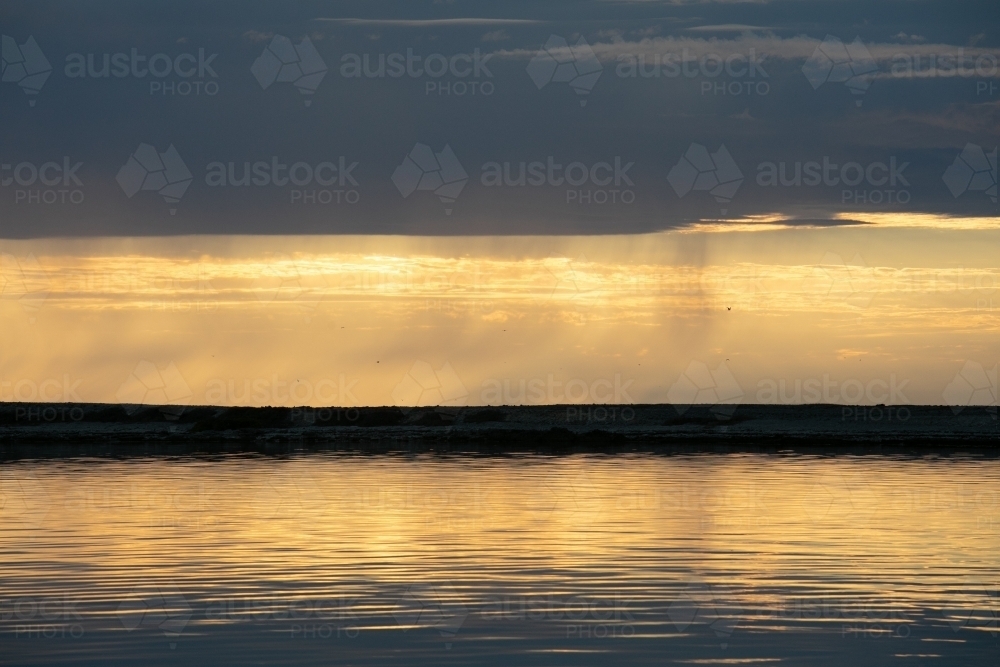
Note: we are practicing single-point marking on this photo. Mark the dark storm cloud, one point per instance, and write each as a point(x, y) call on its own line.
point(443, 118)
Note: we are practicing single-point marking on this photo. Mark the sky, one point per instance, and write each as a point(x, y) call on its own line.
point(411, 202)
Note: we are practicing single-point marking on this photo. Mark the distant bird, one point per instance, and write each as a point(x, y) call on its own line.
point(729, 307)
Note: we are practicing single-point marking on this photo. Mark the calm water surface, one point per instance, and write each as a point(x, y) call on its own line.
point(327, 559)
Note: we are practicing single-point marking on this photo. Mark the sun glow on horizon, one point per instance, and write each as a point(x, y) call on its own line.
point(861, 303)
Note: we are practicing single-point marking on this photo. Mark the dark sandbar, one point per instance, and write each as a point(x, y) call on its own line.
point(49, 429)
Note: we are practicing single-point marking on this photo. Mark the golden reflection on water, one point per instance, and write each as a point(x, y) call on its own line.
point(772, 545)
point(744, 519)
